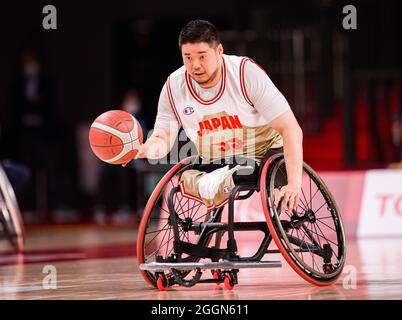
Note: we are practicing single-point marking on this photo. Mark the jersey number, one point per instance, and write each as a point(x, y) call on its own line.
point(233, 143)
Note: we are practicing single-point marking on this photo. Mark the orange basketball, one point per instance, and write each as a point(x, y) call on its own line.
point(115, 137)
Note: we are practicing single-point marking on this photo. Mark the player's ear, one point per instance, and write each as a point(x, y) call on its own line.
point(219, 49)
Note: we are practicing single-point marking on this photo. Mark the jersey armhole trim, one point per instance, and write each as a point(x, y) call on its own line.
point(171, 101)
point(242, 84)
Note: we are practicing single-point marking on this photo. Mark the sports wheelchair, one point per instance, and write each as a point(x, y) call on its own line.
point(11, 223)
point(179, 238)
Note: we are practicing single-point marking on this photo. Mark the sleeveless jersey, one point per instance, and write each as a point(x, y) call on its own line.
point(227, 124)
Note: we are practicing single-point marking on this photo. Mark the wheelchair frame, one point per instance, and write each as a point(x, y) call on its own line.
point(10, 215)
point(225, 263)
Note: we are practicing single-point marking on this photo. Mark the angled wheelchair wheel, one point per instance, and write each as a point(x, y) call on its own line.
point(311, 238)
point(11, 222)
point(155, 235)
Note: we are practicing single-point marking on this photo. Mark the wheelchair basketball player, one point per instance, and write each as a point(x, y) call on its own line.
point(248, 140)
point(229, 107)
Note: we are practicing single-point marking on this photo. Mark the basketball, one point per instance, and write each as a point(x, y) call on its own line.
point(115, 137)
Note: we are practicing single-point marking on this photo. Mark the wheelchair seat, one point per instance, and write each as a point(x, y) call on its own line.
point(246, 177)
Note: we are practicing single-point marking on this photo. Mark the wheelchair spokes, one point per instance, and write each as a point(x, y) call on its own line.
point(173, 219)
point(312, 234)
point(160, 234)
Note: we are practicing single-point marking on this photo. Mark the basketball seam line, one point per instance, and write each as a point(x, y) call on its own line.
point(129, 131)
point(115, 145)
point(109, 126)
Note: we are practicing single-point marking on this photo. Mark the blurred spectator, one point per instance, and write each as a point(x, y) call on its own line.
point(132, 104)
point(32, 123)
point(118, 200)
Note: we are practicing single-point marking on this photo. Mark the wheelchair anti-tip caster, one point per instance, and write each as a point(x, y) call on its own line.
point(230, 280)
point(162, 282)
point(217, 275)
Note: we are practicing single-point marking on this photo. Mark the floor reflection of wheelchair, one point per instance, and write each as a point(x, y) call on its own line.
point(11, 223)
point(179, 238)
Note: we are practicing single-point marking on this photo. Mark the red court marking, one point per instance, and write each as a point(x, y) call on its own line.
point(58, 255)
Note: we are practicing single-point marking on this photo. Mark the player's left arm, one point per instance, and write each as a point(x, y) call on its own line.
point(292, 135)
point(273, 106)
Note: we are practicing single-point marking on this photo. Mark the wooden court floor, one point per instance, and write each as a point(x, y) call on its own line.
point(99, 263)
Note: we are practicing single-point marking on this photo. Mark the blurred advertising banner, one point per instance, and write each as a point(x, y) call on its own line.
point(345, 186)
point(381, 209)
point(370, 202)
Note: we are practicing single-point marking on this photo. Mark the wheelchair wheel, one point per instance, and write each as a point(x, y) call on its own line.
point(155, 235)
point(311, 238)
point(10, 216)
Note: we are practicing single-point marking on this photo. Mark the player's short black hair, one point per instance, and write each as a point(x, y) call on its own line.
point(198, 31)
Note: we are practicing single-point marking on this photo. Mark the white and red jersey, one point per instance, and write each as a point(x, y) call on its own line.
point(232, 117)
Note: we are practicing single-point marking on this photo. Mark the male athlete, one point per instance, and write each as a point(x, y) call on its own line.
point(227, 106)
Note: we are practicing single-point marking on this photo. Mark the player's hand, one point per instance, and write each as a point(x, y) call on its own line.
point(290, 197)
point(142, 152)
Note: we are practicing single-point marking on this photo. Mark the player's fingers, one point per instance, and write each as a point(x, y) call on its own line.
point(285, 200)
point(296, 204)
point(291, 202)
point(278, 198)
point(141, 153)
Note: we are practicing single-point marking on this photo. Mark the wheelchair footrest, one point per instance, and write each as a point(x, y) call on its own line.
point(226, 264)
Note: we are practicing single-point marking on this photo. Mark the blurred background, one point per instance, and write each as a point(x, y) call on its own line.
point(345, 87)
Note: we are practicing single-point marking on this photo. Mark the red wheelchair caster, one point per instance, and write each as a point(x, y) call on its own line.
point(162, 283)
point(217, 276)
point(229, 281)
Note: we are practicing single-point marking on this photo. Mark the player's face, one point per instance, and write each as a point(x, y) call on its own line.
point(203, 62)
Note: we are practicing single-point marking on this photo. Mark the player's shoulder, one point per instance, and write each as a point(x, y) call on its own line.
point(236, 62)
point(233, 59)
point(251, 67)
point(177, 75)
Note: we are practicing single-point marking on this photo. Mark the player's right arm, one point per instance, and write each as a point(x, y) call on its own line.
point(163, 137)
point(158, 144)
